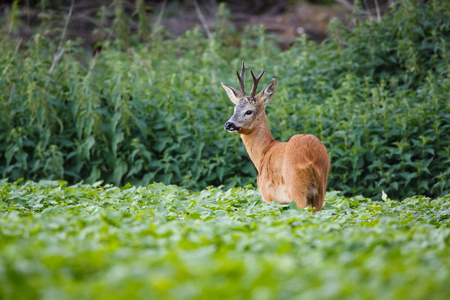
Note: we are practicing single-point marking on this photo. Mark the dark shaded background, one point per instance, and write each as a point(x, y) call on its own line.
point(286, 19)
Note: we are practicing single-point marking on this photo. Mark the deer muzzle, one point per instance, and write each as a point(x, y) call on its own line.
point(231, 127)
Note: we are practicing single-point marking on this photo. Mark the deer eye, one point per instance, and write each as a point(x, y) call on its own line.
point(248, 112)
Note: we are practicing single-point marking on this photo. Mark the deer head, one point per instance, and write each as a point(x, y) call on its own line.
point(250, 109)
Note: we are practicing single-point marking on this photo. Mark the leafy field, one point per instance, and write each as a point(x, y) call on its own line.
point(165, 242)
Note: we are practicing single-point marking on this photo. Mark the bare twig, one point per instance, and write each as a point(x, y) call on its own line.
point(66, 25)
point(61, 50)
point(93, 62)
point(377, 6)
point(56, 57)
point(12, 57)
point(203, 21)
point(157, 24)
point(13, 89)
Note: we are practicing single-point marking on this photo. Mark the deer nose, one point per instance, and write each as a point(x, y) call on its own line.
point(230, 126)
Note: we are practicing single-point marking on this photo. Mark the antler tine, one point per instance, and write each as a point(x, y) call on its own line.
point(255, 82)
point(241, 78)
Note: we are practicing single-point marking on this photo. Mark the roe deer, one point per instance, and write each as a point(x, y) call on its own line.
point(296, 170)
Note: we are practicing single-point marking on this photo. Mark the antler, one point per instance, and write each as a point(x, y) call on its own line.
point(241, 78)
point(255, 83)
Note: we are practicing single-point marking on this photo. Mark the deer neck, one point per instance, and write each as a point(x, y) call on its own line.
point(258, 142)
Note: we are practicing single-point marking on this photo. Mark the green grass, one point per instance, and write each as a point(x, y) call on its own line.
point(166, 242)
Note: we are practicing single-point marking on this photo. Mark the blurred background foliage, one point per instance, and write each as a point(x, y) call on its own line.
point(140, 104)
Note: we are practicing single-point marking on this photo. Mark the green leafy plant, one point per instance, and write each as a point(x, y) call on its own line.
point(106, 242)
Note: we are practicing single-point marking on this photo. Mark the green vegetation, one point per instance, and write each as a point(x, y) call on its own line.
point(165, 242)
point(146, 108)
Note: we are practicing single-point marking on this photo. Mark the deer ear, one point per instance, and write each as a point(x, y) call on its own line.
point(232, 93)
point(266, 95)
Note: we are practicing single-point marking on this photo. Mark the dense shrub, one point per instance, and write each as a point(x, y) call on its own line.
point(376, 95)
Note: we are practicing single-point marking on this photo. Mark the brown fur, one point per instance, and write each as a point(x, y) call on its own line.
point(301, 164)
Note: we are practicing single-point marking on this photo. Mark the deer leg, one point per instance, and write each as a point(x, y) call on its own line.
point(299, 195)
point(303, 189)
point(266, 192)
